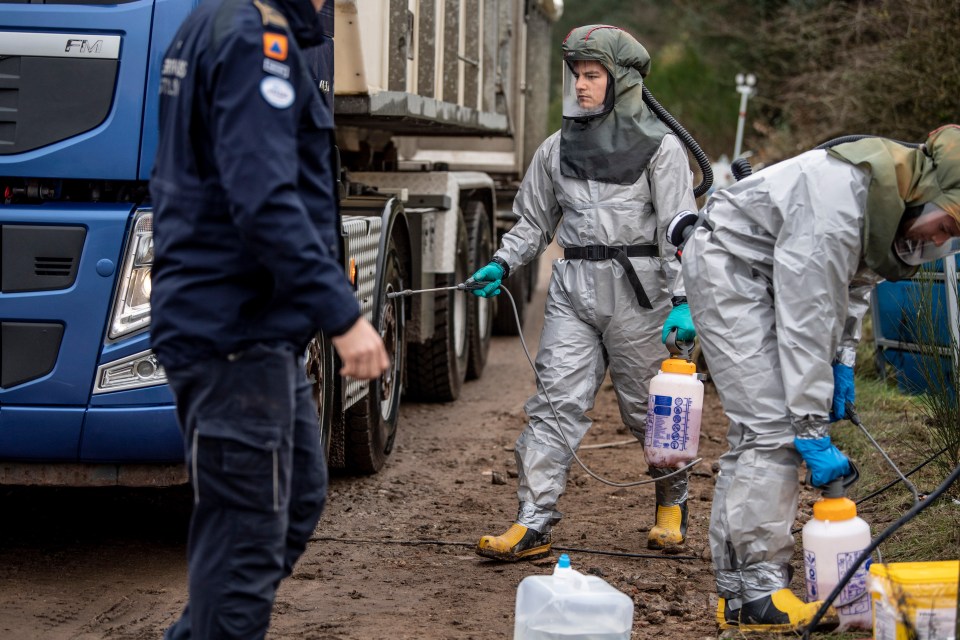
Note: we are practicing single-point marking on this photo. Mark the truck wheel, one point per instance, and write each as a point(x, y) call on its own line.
point(479, 310)
point(438, 366)
point(371, 424)
point(320, 374)
point(504, 323)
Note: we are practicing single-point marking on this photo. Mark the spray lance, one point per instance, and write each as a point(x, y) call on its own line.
point(469, 285)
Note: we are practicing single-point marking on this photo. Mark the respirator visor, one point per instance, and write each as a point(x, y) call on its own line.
point(930, 236)
point(587, 89)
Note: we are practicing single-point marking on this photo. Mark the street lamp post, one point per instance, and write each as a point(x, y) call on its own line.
point(745, 87)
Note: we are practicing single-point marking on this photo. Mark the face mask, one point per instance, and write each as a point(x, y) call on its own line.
point(932, 235)
point(587, 89)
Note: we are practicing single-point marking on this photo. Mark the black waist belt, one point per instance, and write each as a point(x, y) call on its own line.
point(620, 254)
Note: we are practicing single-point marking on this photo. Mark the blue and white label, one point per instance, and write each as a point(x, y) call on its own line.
point(667, 422)
point(278, 93)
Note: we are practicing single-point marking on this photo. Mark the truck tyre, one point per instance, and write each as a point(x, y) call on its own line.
point(438, 366)
point(480, 311)
point(370, 425)
point(504, 323)
point(321, 375)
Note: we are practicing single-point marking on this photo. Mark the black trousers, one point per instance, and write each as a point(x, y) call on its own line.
point(259, 480)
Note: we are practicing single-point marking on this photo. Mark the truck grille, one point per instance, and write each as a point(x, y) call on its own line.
point(53, 87)
point(39, 258)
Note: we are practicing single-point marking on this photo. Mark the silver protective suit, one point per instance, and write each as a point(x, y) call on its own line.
point(777, 291)
point(593, 320)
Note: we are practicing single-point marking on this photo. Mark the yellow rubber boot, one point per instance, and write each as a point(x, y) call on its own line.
point(517, 543)
point(781, 611)
point(671, 527)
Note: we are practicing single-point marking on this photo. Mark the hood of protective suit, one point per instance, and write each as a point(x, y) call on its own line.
point(903, 177)
point(616, 145)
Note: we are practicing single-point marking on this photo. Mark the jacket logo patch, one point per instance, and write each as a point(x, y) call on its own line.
point(276, 68)
point(278, 93)
point(275, 46)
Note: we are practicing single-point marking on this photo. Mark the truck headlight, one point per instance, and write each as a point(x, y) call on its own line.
point(131, 311)
point(133, 372)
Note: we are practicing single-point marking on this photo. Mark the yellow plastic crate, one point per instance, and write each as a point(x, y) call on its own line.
point(921, 595)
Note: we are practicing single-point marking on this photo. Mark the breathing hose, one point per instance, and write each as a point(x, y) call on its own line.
point(859, 136)
point(740, 167)
point(702, 161)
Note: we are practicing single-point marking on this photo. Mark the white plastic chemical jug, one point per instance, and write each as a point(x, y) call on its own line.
point(674, 410)
point(571, 606)
point(832, 541)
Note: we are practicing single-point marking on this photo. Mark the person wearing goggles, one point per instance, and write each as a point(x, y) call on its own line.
point(778, 281)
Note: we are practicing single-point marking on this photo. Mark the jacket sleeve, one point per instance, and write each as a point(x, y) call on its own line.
point(859, 303)
point(254, 122)
point(536, 205)
point(671, 189)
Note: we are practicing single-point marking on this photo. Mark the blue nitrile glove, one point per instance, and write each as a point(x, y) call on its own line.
point(680, 320)
point(843, 391)
point(824, 461)
point(492, 273)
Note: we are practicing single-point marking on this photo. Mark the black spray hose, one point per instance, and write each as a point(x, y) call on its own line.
point(702, 161)
point(855, 137)
point(865, 554)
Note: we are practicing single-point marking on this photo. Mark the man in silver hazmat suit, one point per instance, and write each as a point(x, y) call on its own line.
point(777, 283)
point(607, 184)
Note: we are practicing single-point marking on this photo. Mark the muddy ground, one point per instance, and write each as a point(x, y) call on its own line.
point(88, 564)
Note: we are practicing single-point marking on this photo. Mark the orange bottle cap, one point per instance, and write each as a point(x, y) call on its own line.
point(834, 509)
point(678, 365)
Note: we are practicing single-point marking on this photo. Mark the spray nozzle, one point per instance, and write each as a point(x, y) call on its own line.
point(471, 285)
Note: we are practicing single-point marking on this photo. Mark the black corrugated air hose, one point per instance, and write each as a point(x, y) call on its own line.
point(702, 161)
point(860, 136)
point(740, 168)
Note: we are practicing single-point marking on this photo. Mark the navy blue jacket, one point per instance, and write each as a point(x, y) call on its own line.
point(246, 228)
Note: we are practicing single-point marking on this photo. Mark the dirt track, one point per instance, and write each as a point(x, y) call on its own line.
point(111, 564)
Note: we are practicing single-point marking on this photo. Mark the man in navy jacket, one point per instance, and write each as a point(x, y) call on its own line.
point(246, 272)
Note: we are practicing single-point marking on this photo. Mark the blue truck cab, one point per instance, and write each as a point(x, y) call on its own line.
point(79, 386)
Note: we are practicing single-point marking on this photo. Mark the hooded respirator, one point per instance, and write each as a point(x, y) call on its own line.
point(608, 133)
